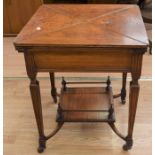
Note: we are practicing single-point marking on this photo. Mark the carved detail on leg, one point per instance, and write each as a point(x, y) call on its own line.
point(128, 145)
point(53, 88)
point(133, 100)
point(123, 90)
point(36, 100)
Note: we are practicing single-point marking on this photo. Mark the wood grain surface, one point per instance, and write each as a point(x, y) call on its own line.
point(84, 25)
point(93, 103)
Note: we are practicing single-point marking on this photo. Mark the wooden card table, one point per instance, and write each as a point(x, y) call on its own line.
point(84, 38)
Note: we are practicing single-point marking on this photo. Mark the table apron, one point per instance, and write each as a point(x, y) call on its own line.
point(83, 61)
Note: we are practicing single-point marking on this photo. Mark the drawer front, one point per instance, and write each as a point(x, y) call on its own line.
point(83, 61)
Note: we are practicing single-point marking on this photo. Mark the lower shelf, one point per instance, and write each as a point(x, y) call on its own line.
point(86, 104)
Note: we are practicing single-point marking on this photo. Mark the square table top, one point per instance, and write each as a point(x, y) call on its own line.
point(84, 25)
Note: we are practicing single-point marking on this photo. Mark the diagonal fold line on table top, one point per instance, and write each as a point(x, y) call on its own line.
point(107, 14)
point(126, 36)
point(91, 19)
point(84, 22)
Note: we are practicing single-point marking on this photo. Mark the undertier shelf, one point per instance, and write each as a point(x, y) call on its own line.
point(86, 104)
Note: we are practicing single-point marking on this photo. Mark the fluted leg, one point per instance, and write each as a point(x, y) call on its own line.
point(133, 99)
point(36, 100)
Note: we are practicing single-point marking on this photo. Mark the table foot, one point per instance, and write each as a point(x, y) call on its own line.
point(128, 145)
point(42, 144)
point(42, 140)
point(40, 149)
point(129, 141)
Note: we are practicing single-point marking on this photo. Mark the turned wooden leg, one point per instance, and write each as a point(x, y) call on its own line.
point(133, 99)
point(63, 82)
point(36, 100)
point(108, 83)
point(123, 90)
point(53, 88)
